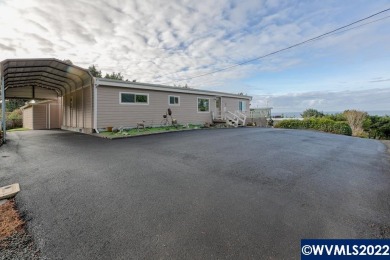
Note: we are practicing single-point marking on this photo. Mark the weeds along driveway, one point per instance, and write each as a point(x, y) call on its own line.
point(229, 194)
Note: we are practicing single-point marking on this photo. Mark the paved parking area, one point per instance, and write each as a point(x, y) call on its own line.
point(209, 194)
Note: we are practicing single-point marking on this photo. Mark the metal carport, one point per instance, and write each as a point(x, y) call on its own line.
point(50, 79)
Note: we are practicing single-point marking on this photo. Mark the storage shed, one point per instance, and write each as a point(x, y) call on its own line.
point(42, 115)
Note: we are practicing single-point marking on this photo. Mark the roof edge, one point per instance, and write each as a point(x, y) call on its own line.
point(45, 59)
point(158, 87)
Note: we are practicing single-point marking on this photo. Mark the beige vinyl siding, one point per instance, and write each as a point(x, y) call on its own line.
point(65, 110)
point(80, 114)
point(54, 115)
point(232, 104)
point(40, 117)
point(88, 120)
point(79, 108)
point(28, 118)
point(73, 110)
point(111, 113)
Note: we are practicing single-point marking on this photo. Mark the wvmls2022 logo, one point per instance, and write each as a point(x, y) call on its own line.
point(345, 249)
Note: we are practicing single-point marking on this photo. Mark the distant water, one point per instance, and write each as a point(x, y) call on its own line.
point(298, 114)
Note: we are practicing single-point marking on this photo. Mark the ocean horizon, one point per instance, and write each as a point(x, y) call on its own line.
point(298, 114)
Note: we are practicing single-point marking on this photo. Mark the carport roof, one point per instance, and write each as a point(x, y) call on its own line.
point(48, 73)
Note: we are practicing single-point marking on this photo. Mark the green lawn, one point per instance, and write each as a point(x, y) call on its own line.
point(147, 130)
point(18, 129)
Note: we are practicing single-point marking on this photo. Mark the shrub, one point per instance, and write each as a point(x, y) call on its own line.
point(321, 124)
point(355, 120)
point(336, 117)
point(16, 114)
point(377, 127)
point(342, 128)
point(310, 112)
point(290, 124)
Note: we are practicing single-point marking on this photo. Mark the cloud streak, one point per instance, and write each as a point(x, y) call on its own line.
point(167, 41)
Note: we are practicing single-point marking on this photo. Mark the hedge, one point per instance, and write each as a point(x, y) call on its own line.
point(321, 124)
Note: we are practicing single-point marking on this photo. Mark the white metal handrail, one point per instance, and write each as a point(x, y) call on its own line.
point(242, 116)
point(235, 118)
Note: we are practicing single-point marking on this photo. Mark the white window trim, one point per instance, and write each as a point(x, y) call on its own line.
point(169, 101)
point(197, 108)
point(135, 103)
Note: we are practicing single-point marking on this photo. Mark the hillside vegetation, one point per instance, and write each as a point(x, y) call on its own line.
point(350, 122)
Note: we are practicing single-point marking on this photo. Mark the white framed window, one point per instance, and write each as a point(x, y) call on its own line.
point(174, 100)
point(133, 98)
point(242, 106)
point(203, 105)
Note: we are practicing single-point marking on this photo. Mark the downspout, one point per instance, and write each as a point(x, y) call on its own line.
point(95, 85)
point(82, 105)
point(3, 116)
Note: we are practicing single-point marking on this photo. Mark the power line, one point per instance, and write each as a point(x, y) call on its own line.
point(357, 26)
point(290, 47)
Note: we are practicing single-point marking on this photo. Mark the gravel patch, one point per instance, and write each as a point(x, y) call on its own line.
point(18, 246)
point(15, 243)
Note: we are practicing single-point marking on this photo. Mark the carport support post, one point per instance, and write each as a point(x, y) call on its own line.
point(3, 117)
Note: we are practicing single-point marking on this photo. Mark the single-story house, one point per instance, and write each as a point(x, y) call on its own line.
point(89, 104)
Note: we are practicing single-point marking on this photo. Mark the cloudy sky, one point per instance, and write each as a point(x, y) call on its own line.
point(170, 41)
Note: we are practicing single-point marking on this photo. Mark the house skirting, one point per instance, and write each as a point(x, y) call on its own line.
point(78, 129)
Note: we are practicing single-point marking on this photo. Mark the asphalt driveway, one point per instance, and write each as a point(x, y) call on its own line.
point(210, 194)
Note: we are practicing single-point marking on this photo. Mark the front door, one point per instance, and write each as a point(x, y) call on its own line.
point(218, 107)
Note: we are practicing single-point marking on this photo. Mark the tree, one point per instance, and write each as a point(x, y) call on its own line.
point(98, 74)
point(310, 112)
point(117, 76)
point(355, 120)
point(13, 104)
point(68, 62)
point(337, 117)
point(94, 71)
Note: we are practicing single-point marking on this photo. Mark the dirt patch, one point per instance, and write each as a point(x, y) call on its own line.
point(15, 243)
point(10, 222)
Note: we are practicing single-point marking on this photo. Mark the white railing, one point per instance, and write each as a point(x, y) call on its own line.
point(242, 116)
point(235, 118)
point(259, 114)
point(232, 117)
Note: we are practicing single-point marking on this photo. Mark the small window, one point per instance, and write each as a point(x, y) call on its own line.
point(132, 98)
point(141, 99)
point(203, 105)
point(242, 106)
point(174, 100)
